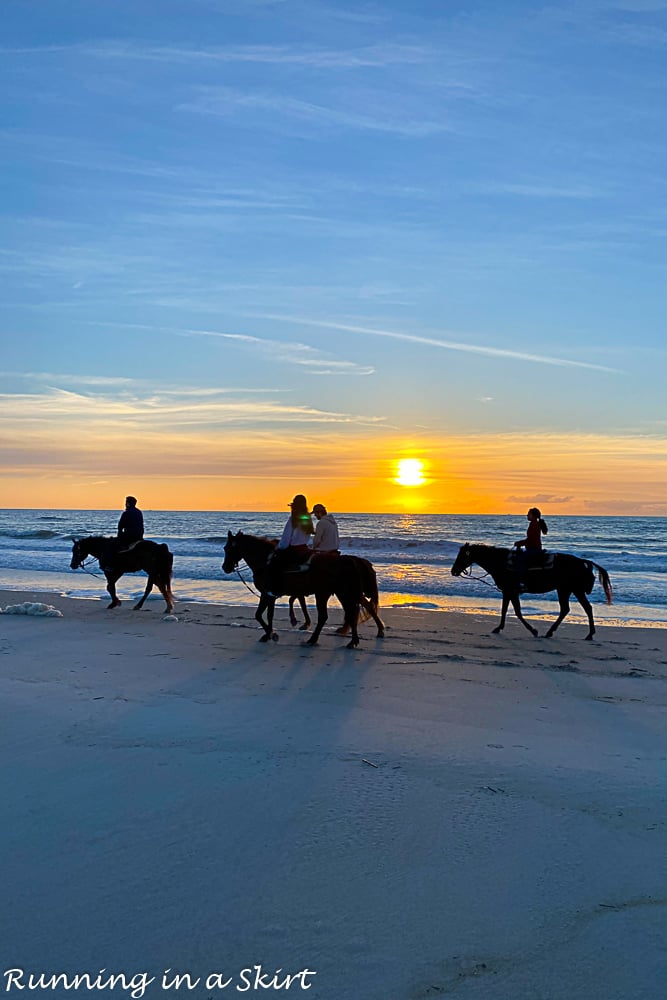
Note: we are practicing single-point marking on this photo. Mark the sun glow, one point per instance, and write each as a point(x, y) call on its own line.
point(410, 472)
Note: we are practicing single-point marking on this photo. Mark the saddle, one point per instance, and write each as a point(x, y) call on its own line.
point(522, 563)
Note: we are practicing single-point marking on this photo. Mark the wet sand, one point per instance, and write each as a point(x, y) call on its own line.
point(444, 812)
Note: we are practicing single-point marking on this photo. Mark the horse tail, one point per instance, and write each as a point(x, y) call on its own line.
point(603, 577)
point(168, 557)
point(370, 588)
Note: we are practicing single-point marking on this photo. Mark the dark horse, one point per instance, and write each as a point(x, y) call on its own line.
point(153, 558)
point(350, 578)
point(568, 575)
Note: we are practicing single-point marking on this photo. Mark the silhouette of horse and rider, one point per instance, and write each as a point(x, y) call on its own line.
point(128, 552)
point(293, 568)
point(527, 568)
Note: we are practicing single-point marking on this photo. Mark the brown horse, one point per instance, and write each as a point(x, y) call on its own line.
point(351, 579)
point(152, 558)
point(566, 575)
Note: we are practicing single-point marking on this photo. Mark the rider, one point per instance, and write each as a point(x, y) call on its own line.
point(293, 546)
point(326, 541)
point(529, 549)
point(130, 525)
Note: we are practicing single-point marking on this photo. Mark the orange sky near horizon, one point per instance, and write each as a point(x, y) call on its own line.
point(475, 474)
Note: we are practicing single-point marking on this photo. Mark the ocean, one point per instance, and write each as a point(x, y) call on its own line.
point(412, 554)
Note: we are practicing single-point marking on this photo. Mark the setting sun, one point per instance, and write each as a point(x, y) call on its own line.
point(410, 472)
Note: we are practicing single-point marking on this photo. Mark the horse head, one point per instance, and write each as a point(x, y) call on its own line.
point(463, 561)
point(233, 552)
point(79, 554)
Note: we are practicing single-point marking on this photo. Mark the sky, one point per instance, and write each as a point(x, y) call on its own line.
point(253, 248)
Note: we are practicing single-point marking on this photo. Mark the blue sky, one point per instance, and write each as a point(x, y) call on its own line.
point(373, 227)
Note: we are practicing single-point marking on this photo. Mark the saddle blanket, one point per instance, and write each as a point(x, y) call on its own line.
point(518, 562)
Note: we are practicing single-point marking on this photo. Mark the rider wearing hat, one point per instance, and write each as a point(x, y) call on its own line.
point(293, 546)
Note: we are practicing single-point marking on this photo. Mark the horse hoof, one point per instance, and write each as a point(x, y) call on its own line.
point(275, 636)
point(114, 604)
point(589, 637)
point(304, 627)
point(380, 634)
point(352, 644)
point(264, 638)
point(496, 631)
point(310, 642)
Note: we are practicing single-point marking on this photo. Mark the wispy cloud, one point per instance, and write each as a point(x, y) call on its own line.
point(160, 411)
point(293, 353)
point(541, 190)
point(370, 56)
point(448, 345)
point(225, 102)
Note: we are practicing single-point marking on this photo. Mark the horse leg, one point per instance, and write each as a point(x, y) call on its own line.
point(266, 602)
point(503, 614)
point(371, 609)
point(149, 587)
point(165, 590)
point(351, 609)
point(111, 587)
point(516, 604)
point(588, 608)
point(321, 602)
point(563, 600)
point(306, 617)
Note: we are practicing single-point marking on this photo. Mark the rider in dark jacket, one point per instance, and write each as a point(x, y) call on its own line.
point(131, 524)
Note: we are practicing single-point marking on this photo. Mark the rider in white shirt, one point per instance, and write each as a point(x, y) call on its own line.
point(293, 547)
point(326, 540)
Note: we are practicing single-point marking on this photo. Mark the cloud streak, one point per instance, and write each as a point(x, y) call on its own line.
point(370, 56)
point(224, 102)
point(447, 345)
point(294, 353)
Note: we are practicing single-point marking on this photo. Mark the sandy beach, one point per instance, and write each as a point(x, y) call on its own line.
point(444, 812)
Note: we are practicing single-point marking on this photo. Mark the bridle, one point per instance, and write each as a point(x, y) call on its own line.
point(467, 572)
point(82, 565)
point(243, 581)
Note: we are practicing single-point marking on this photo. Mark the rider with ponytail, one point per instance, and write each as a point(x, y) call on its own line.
point(532, 543)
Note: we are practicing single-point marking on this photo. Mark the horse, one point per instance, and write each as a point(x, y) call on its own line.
point(566, 575)
point(153, 558)
point(351, 579)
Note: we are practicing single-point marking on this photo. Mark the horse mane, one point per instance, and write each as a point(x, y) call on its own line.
point(488, 548)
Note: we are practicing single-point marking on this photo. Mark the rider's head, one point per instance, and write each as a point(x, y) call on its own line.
point(130, 501)
point(319, 510)
point(534, 514)
point(299, 504)
point(301, 514)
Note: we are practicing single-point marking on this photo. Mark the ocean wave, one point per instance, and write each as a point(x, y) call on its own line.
point(35, 533)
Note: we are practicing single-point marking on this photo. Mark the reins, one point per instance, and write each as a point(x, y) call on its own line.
point(245, 582)
point(480, 579)
point(82, 565)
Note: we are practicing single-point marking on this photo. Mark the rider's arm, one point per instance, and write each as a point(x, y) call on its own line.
point(286, 536)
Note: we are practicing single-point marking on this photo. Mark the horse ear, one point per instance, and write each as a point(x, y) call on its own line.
point(229, 536)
